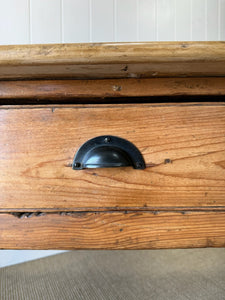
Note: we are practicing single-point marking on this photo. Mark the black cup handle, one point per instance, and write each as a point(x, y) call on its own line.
point(106, 152)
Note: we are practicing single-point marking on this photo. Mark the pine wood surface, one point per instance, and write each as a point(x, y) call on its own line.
point(178, 201)
point(183, 147)
point(113, 60)
point(113, 230)
point(100, 90)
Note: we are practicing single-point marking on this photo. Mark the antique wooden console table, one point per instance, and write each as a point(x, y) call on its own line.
point(167, 99)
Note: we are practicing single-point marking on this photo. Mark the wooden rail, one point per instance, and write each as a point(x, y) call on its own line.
point(113, 60)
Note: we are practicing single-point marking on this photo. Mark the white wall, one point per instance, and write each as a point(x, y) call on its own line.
point(11, 257)
point(72, 21)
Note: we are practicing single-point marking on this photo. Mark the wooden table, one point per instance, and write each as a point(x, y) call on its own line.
point(165, 98)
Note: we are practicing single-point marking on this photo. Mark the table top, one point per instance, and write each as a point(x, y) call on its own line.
point(112, 60)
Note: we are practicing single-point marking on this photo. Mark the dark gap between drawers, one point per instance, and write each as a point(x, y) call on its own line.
point(116, 100)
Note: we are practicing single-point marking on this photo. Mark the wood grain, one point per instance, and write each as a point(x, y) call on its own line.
point(113, 60)
point(113, 230)
point(183, 147)
point(107, 88)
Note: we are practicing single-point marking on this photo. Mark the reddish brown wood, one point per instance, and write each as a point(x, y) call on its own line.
point(105, 88)
point(183, 146)
point(117, 230)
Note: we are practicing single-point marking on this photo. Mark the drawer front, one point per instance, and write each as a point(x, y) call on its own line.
point(113, 230)
point(183, 146)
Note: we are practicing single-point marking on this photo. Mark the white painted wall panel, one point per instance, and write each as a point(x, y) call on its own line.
point(102, 18)
point(126, 20)
point(198, 20)
point(45, 21)
point(165, 20)
point(75, 21)
point(212, 24)
point(222, 20)
point(183, 20)
point(147, 20)
point(72, 21)
point(14, 22)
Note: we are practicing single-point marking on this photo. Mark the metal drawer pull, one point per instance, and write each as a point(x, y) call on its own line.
point(107, 152)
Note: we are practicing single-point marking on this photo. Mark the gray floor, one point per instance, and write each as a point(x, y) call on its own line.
point(155, 274)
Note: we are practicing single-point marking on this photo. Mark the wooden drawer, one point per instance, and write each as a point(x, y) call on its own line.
point(183, 147)
point(54, 98)
point(179, 197)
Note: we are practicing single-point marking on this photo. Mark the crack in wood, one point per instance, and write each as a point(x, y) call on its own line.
point(26, 215)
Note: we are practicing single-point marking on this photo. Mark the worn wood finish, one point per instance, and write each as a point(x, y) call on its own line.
point(113, 230)
point(107, 88)
point(183, 146)
point(113, 60)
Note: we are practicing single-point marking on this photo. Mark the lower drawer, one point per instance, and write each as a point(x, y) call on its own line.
point(177, 201)
point(183, 146)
